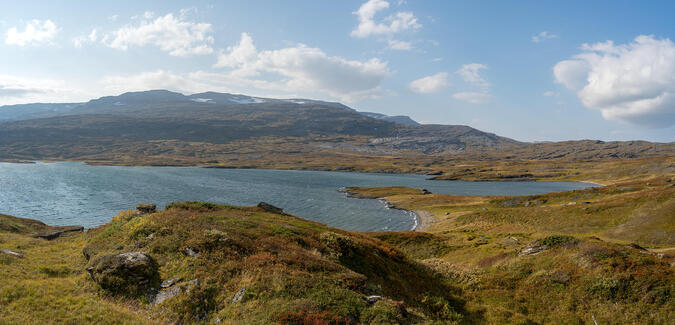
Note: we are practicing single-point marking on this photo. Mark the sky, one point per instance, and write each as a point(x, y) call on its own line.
point(528, 70)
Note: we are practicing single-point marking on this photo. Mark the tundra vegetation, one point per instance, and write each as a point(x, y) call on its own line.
point(602, 253)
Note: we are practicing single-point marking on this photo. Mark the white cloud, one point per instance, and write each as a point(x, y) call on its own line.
point(79, 41)
point(430, 84)
point(550, 93)
point(398, 22)
point(543, 36)
point(633, 83)
point(20, 90)
point(302, 68)
point(471, 74)
point(399, 45)
point(171, 34)
point(241, 56)
point(35, 32)
point(473, 97)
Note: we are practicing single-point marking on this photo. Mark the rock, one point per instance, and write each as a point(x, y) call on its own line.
point(571, 203)
point(447, 213)
point(57, 232)
point(270, 208)
point(532, 248)
point(239, 296)
point(425, 191)
point(127, 273)
point(167, 283)
point(373, 299)
point(146, 208)
point(11, 253)
point(165, 294)
point(636, 246)
point(191, 252)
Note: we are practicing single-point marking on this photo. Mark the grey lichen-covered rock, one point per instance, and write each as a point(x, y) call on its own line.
point(239, 296)
point(11, 253)
point(373, 299)
point(131, 273)
point(145, 208)
point(270, 208)
point(533, 249)
point(165, 294)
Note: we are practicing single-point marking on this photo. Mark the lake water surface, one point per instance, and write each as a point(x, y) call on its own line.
point(68, 193)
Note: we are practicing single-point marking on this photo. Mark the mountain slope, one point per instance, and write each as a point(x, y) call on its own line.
point(163, 127)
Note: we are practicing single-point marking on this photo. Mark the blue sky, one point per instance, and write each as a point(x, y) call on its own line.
point(530, 70)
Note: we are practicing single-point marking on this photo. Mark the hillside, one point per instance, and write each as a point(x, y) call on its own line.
point(197, 262)
point(200, 262)
point(162, 127)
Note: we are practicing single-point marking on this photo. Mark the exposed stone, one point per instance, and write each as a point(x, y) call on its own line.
point(129, 273)
point(11, 253)
point(145, 208)
point(425, 191)
point(167, 283)
point(636, 246)
point(165, 294)
point(373, 299)
point(239, 296)
point(191, 252)
point(270, 208)
point(57, 232)
point(533, 248)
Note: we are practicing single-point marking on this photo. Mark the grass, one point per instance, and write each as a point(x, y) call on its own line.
point(587, 271)
point(292, 271)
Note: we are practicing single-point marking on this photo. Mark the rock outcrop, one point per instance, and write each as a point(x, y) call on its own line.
point(270, 208)
point(145, 208)
point(56, 232)
point(131, 273)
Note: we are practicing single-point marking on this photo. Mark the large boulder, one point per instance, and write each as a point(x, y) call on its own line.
point(132, 273)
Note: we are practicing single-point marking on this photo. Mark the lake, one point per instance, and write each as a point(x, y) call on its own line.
point(70, 193)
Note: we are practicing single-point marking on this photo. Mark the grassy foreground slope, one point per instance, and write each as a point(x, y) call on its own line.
point(566, 258)
point(282, 269)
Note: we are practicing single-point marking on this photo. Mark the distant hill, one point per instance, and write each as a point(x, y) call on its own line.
point(201, 127)
point(400, 119)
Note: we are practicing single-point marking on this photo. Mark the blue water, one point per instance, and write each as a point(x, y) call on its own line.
point(69, 193)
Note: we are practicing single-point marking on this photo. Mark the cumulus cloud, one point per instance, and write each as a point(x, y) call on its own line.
point(473, 97)
point(301, 68)
point(430, 84)
point(633, 83)
point(392, 24)
point(171, 34)
point(471, 74)
point(543, 36)
point(35, 32)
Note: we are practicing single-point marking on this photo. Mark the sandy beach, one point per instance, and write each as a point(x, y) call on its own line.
point(424, 220)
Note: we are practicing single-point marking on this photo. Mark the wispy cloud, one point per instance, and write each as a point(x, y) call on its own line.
point(542, 36)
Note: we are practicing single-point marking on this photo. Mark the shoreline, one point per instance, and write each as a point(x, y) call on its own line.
point(423, 220)
point(396, 172)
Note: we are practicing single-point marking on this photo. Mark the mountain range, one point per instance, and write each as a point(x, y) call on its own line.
point(148, 123)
